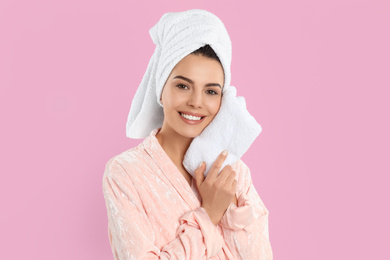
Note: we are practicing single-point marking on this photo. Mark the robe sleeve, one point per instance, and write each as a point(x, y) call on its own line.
point(250, 220)
point(131, 234)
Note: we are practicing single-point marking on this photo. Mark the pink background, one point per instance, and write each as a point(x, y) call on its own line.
point(315, 75)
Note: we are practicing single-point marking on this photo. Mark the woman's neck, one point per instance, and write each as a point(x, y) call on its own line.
point(174, 145)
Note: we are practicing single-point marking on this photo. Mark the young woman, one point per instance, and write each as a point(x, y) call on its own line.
point(156, 210)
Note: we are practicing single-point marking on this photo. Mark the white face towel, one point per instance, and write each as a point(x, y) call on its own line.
point(232, 129)
point(176, 35)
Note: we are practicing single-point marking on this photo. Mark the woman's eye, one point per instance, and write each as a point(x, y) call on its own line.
point(181, 85)
point(212, 92)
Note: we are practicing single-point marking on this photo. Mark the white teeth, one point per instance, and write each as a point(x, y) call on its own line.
point(190, 117)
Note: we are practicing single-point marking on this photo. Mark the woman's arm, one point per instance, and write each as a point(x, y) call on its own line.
point(131, 234)
point(245, 227)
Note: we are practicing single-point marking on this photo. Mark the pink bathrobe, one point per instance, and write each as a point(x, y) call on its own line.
point(153, 213)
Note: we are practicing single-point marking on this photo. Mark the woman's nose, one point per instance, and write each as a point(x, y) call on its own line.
point(195, 99)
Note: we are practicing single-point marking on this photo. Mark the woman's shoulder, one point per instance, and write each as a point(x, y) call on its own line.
point(242, 172)
point(126, 161)
point(239, 166)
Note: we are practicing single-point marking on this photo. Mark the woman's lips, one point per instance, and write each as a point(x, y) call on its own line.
point(191, 113)
point(192, 122)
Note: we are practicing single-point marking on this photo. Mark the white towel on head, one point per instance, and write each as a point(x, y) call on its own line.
point(232, 129)
point(176, 35)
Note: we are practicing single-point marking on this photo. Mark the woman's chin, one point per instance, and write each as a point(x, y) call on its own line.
point(191, 132)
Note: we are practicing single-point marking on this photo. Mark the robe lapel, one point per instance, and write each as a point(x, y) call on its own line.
point(170, 171)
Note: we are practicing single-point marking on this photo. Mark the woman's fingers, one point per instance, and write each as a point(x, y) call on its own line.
point(231, 177)
point(217, 166)
point(225, 173)
point(199, 174)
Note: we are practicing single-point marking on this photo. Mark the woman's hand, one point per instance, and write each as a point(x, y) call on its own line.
point(217, 191)
point(235, 201)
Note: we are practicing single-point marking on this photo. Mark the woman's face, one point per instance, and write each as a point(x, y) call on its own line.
point(193, 87)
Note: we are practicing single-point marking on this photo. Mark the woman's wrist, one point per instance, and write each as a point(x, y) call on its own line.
point(214, 217)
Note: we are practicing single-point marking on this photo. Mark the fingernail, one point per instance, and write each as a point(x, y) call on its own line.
point(200, 164)
point(225, 152)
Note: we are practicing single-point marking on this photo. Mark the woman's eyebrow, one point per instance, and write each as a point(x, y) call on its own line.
point(190, 81)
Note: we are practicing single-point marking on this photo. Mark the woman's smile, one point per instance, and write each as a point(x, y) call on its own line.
point(192, 120)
